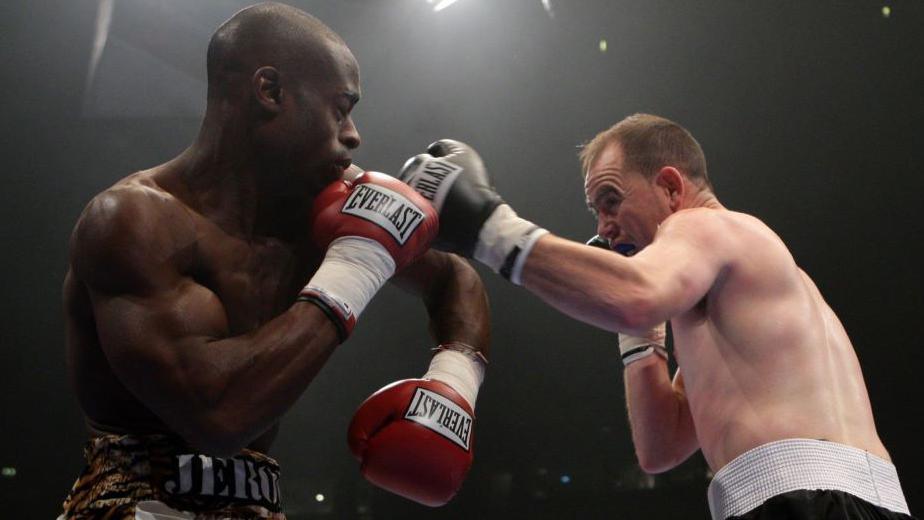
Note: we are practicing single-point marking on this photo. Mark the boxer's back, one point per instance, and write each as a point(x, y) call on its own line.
point(764, 358)
point(252, 279)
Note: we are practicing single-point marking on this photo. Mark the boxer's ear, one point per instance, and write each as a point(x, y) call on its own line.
point(673, 183)
point(267, 89)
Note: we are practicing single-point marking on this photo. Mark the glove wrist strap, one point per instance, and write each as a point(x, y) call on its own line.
point(462, 371)
point(353, 270)
point(635, 348)
point(505, 241)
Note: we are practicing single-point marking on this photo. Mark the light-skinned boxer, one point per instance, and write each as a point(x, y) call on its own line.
point(203, 295)
point(768, 387)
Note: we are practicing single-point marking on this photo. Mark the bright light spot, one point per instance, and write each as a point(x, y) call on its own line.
point(886, 11)
point(565, 479)
point(319, 497)
point(443, 5)
point(602, 45)
point(8, 472)
point(547, 5)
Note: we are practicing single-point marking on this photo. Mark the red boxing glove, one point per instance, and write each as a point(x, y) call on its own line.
point(415, 438)
point(371, 228)
point(377, 207)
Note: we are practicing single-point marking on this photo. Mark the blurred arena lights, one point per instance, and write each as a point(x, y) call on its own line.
point(442, 4)
point(547, 5)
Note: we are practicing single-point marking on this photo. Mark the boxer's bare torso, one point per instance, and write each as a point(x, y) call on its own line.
point(243, 281)
point(763, 357)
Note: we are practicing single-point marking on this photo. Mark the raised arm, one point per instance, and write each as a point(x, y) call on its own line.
point(631, 294)
point(454, 295)
point(167, 337)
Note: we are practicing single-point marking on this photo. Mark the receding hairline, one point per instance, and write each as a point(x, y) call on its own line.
point(646, 137)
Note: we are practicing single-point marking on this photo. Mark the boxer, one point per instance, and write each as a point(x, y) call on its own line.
point(203, 295)
point(768, 387)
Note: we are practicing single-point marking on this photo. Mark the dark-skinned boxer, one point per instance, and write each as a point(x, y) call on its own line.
point(203, 295)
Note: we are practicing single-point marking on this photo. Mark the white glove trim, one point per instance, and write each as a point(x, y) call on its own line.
point(460, 371)
point(634, 348)
point(353, 270)
point(505, 241)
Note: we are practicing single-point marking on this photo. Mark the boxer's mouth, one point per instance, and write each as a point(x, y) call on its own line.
point(623, 248)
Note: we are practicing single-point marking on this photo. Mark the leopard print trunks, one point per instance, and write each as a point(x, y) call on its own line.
point(158, 476)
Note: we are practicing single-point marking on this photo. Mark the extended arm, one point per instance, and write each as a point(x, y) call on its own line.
point(630, 294)
point(618, 294)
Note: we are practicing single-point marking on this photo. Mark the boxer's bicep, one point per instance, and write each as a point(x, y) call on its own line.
point(159, 346)
point(683, 263)
point(157, 343)
point(152, 321)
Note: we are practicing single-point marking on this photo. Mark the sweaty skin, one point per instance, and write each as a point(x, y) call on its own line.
point(761, 355)
point(182, 280)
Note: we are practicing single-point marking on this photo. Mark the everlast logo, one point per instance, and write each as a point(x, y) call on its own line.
point(440, 415)
point(234, 479)
point(389, 209)
point(434, 179)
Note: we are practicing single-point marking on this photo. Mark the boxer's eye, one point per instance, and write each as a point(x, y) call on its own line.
point(610, 203)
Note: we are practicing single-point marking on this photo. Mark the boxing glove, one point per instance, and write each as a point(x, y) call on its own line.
point(377, 207)
point(474, 220)
point(598, 241)
point(635, 348)
point(415, 437)
point(370, 228)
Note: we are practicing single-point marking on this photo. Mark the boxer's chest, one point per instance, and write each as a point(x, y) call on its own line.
point(255, 280)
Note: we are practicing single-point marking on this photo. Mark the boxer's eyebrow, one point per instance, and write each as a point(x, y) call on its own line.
point(601, 193)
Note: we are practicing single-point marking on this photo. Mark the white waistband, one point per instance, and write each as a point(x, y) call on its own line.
point(791, 464)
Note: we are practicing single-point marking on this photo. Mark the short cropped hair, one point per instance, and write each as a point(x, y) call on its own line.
point(648, 144)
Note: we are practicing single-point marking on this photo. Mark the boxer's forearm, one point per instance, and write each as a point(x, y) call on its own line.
point(458, 308)
point(456, 301)
point(251, 380)
point(662, 428)
point(591, 285)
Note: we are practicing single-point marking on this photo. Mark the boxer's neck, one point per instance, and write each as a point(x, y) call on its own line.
point(702, 198)
point(229, 185)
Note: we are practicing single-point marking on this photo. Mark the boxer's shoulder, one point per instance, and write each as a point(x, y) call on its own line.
point(712, 227)
point(704, 226)
point(129, 233)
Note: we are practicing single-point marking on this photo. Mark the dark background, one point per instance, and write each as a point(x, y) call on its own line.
point(810, 114)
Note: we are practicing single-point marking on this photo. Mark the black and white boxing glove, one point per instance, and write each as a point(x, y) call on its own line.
point(474, 221)
point(635, 348)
